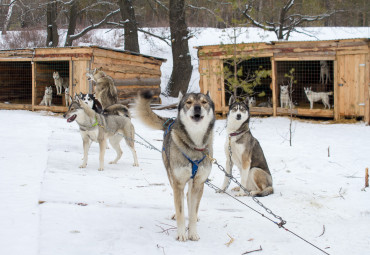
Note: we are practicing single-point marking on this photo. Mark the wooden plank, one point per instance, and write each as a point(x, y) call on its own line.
point(138, 82)
point(122, 55)
point(79, 77)
point(48, 59)
point(127, 69)
point(63, 51)
point(336, 91)
point(286, 111)
point(261, 110)
point(16, 106)
point(315, 112)
point(33, 84)
point(50, 108)
point(361, 65)
point(132, 92)
point(15, 59)
point(309, 57)
point(133, 62)
point(222, 85)
point(124, 76)
point(367, 89)
point(274, 86)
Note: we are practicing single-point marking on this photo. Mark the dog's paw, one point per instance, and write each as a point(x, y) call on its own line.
point(113, 162)
point(173, 217)
point(193, 236)
point(83, 166)
point(181, 237)
point(236, 189)
point(135, 164)
point(222, 190)
point(101, 169)
point(240, 194)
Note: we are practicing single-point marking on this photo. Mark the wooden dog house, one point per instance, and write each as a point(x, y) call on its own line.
point(347, 63)
point(26, 72)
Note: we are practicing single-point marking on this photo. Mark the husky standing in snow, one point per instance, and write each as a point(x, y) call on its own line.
point(243, 150)
point(186, 140)
point(60, 82)
point(317, 96)
point(48, 96)
point(98, 128)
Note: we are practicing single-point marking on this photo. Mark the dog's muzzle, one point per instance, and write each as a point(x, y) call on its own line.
point(238, 116)
point(70, 119)
point(197, 116)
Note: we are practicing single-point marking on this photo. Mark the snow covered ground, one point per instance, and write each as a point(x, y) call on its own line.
point(48, 205)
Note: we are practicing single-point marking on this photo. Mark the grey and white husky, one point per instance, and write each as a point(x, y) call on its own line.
point(66, 97)
point(48, 96)
point(317, 96)
point(60, 82)
point(285, 100)
point(246, 153)
point(98, 128)
point(186, 140)
point(324, 72)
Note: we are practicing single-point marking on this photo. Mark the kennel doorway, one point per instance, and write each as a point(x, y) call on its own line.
point(44, 78)
point(250, 70)
point(16, 82)
point(306, 74)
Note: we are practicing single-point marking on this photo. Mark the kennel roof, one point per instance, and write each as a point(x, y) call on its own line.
point(21, 52)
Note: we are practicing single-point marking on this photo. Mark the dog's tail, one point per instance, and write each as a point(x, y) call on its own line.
point(265, 192)
point(117, 109)
point(146, 114)
point(330, 93)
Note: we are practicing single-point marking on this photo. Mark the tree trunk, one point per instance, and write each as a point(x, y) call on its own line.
point(8, 17)
point(52, 37)
point(72, 22)
point(128, 14)
point(182, 68)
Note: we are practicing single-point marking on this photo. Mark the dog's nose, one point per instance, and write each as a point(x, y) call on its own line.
point(64, 115)
point(197, 109)
point(238, 116)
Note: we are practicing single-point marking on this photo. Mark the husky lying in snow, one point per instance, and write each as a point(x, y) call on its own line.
point(317, 96)
point(100, 127)
point(246, 153)
point(185, 141)
point(48, 96)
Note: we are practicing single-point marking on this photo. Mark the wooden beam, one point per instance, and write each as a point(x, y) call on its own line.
point(336, 91)
point(367, 89)
point(50, 108)
point(16, 106)
point(274, 86)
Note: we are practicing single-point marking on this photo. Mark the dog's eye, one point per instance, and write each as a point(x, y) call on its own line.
point(204, 102)
point(188, 102)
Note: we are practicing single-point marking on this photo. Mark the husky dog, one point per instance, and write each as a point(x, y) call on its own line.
point(98, 128)
point(48, 96)
point(186, 140)
point(60, 82)
point(317, 96)
point(324, 72)
point(66, 97)
point(246, 153)
point(91, 101)
point(285, 100)
point(266, 104)
point(105, 90)
point(252, 102)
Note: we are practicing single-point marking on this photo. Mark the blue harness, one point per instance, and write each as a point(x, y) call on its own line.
point(194, 163)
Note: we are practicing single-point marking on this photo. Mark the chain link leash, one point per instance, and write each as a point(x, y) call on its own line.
point(231, 177)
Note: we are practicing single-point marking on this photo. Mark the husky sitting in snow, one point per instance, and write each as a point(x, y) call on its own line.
point(317, 96)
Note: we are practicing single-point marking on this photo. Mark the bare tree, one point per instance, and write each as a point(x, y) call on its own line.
point(130, 25)
point(286, 22)
point(52, 37)
point(182, 68)
point(9, 14)
point(74, 12)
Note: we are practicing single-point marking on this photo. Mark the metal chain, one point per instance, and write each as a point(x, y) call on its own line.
point(231, 177)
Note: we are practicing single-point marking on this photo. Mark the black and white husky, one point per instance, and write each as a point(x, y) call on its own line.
point(243, 150)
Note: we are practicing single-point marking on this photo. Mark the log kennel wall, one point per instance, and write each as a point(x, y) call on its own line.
point(347, 62)
point(24, 74)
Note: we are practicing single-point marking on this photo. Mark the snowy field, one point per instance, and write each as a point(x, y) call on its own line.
point(48, 205)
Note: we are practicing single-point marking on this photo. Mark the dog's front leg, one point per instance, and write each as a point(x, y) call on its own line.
point(195, 193)
point(178, 196)
point(102, 147)
point(86, 145)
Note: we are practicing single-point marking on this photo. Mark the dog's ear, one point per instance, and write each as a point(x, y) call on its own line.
point(246, 101)
point(100, 68)
point(180, 96)
point(98, 107)
point(208, 94)
point(231, 100)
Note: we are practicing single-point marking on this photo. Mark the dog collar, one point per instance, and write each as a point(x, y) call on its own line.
point(200, 149)
point(96, 122)
point(238, 133)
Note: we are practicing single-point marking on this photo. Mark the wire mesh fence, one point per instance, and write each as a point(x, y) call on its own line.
point(312, 86)
point(251, 78)
point(16, 82)
point(54, 74)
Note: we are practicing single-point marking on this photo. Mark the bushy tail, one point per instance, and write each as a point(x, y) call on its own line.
point(117, 109)
point(330, 93)
point(146, 114)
